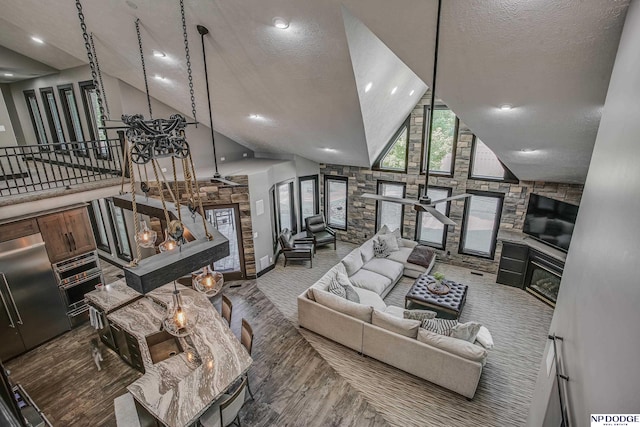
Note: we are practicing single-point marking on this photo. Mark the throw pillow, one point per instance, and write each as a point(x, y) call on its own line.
point(466, 331)
point(366, 250)
point(484, 338)
point(336, 288)
point(396, 233)
point(353, 262)
point(439, 326)
point(390, 240)
point(380, 249)
point(419, 314)
point(345, 283)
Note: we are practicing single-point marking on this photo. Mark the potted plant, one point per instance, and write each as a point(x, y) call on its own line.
point(439, 277)
point(438, 287)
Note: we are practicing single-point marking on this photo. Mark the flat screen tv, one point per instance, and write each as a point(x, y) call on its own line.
point(550, 221)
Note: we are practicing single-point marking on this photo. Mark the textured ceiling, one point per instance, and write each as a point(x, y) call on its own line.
point(551, 60)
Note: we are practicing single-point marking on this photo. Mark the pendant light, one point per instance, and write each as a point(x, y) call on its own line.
point(168, 244)
point(146, 237)
point(208, 282)
point(178, 322)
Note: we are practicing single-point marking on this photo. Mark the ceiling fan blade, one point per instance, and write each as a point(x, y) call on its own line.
point(390, 199)
point(227, 182)
point(448, 199)
point(435, 213)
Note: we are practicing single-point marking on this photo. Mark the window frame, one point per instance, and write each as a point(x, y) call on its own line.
point(509, 177)
point(316, 201)
point(292, 205)
point(377, 165)
point(48, 111)
point(94, 225)
point(379, 184)
point(80, 146)
point(496, 224)
point(32, 94)
point(111, 207)
point(426, 151)
point(94, 132)
point(443, 244)
point(344, 179)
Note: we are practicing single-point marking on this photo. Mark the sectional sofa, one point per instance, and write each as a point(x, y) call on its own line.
point(372, 328)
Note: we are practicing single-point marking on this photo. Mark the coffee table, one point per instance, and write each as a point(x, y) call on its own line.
point(447, 306)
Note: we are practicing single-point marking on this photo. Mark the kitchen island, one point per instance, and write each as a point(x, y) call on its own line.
point(180, 388)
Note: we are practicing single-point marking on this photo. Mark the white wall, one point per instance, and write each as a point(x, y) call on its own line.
point(598, 305)
point(7, 137)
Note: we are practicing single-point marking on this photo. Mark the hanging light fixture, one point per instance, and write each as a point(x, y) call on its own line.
point(208, 282)
point(146, 237)
point(168, 244)
point(178, 323)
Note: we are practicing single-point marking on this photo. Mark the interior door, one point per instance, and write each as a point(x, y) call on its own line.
point(54, 232)
point(80, 232)
point(226, 219)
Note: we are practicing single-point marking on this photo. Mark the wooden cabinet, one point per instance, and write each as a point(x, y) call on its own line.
point(15, 230)
point(513, 264)
point(67, 234)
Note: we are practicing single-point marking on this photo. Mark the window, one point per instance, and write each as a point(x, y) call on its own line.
point(92, 111)
point(72, 118)
point(53, 117)
point(98, 225)
point(441, 155)
point(480, 225)
point(309, 199)
point(36, 117)
point(390, 214)
point(486, 166)
point(120, 232)
point(335, 196)
point(285, 207)
point(394, 156)
point(430, 231)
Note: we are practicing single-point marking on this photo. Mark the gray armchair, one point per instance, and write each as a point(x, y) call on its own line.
point(318, 229)
point(296, 249)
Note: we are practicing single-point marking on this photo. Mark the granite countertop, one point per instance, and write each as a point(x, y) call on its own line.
point(114, 295)
point(179, 389)
point(516, 236)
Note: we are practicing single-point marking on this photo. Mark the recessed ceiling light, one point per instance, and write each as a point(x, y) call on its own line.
point(368, 87)
point(37, 39)
point(255, 116)
point(506, 107)
point(411, 93)
point(330, 150)
point(528, 150)
point(394, 90)
point(159, 54)
point(159, 77)
point(8, 74)
point(280, 23)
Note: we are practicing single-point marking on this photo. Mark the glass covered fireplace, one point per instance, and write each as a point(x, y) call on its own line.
point(543, 278)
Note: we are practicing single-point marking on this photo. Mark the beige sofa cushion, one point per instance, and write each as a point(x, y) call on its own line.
point(401, 256)
point(324, 282)
point(353, 262)
point(395, 311)
point(405, 327)
point(371, 281)
point(385, 267)
point(366, 250)
point(453, 345)
point(370, 298)
point(341, 305)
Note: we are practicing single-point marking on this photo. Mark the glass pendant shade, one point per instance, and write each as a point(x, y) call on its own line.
point(178, 322)
point(169, 244)
point(146, 238)
point(208, 282)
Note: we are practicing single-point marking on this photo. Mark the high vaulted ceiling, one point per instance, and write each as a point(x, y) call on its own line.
point(551, 60)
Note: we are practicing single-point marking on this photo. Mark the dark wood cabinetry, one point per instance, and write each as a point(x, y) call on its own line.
point(15, 230)
point(513, 264)
point(67, 234)
point(128, 347)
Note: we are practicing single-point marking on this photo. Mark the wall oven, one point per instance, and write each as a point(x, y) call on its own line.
point(76, 277)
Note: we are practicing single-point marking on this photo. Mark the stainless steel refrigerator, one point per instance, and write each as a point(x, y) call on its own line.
point(31, 306)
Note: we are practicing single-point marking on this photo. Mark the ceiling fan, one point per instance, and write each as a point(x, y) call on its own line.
point(216, 175)
point(424, 203)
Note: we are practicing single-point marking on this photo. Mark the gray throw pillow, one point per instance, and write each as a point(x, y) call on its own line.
point(351, 294)
point(466, 331)
point(336, 288)
point(390, 240)
point(439, 326)
point(380, 248)
point(398, 236)
point(341, 286)
point(419, 314)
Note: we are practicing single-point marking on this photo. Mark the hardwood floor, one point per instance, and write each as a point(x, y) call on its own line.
point(292, 384)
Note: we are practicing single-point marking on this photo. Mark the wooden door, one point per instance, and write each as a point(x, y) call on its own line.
point(56, 238)
point(80, 231)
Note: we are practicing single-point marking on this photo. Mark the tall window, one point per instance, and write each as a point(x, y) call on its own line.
point(99, 226)
point(309, 199)
point(394, 156)
point(285, 206)
point(485, 165)
point(119, 229)
point(482, 212)
point(440, 156)
point(72, 118)
point(390, 214)
point(92, 111)
point(53, 117)
point(36, 117)
point(430, 231)
point(335, 199)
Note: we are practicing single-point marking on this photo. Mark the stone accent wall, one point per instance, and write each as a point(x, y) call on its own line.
point(361, 213)
point(216, 194)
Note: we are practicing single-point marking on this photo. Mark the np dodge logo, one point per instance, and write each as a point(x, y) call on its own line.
point(615, 420)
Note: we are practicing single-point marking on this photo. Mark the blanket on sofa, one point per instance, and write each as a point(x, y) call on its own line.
point(421, 255)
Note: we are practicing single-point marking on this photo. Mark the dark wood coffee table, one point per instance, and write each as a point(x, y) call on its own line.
point(447, 306)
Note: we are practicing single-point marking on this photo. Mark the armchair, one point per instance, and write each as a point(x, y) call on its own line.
point(318, 229)
point(296, 249)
